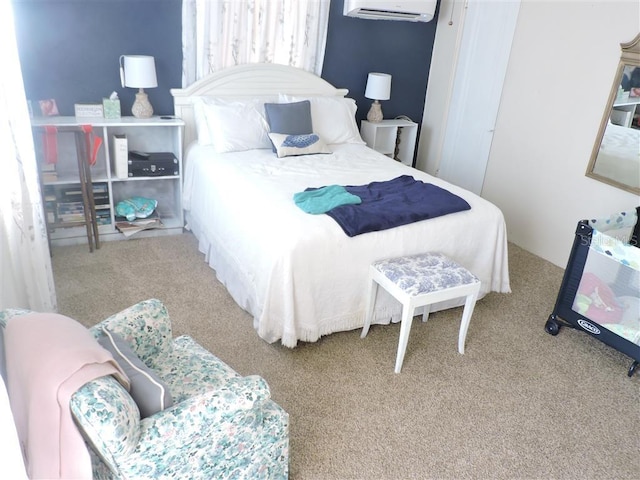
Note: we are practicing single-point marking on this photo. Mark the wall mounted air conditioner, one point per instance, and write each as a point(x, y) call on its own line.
point(409, 10)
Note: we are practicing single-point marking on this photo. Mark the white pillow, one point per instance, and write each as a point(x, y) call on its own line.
point(333, 118)
point(202, 128)
point(231, 125)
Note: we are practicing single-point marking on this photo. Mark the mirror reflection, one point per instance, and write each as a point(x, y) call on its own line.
point(616, 154)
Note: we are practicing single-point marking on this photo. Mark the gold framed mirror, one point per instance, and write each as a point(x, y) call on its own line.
point(615, 158)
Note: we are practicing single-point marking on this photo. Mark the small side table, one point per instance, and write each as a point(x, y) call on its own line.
point(395, 138)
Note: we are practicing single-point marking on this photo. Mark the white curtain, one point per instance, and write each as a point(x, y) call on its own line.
point(26, 278)
point(221, 33)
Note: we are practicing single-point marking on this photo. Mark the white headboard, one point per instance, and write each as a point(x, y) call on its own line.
point(248, 80)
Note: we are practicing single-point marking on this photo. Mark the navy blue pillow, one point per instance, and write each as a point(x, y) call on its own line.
point(289, 118)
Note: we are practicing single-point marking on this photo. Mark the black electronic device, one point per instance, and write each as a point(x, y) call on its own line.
point(138, 155)
point(156, 164)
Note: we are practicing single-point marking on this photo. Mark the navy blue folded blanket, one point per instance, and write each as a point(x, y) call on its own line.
point(393, 203)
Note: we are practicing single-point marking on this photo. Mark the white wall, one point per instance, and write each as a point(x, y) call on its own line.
point(10, 453)
point(563, 59)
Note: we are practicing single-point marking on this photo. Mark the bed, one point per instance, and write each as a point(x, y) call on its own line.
point(298, 274)
point(619, 155)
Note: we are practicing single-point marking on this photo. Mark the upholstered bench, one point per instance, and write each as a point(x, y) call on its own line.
point(420, 281)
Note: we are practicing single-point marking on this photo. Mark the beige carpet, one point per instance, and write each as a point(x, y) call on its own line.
point(518, 404)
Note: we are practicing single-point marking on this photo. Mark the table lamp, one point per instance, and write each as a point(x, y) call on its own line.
point(139, 71)
point(378, 88)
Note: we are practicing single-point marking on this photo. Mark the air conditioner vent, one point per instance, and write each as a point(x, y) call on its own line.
point(407, 10)
point(385, 14)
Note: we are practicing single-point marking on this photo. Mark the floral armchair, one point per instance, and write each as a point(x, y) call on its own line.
point(221, 425)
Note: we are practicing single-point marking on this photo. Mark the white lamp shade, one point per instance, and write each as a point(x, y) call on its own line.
point(378, 86)
point(138, 71)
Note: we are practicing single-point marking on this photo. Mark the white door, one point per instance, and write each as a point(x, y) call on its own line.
point(477, 86)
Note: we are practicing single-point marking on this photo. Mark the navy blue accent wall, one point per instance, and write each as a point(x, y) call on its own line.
point(357, 46)
point(69, 50)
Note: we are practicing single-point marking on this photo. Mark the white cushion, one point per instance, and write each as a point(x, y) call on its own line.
point(424, 273)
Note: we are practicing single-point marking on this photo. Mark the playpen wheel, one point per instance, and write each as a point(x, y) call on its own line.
point(551, 327)
point(632, 368)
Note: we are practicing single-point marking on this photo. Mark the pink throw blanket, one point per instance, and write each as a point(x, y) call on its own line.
point(49, 357)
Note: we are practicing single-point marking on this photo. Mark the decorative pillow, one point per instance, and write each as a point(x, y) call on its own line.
point(149, 392)
point(291, 118)
point(231, 125)
point(288, 145)
point(333, 118)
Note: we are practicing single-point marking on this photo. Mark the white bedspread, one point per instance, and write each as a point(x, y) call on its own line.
point(300, 275)
point(619, 155)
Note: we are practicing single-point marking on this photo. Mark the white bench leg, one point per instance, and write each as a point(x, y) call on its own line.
point(405, 328)
point(425, 313)
point(371, 301)
point(469, 305)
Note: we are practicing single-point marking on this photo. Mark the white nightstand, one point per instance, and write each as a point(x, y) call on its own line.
point(394, 138)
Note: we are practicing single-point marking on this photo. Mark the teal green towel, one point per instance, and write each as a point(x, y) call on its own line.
point(323, 199)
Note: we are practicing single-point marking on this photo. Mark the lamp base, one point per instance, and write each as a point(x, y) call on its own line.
point(142, 107)
point(375, 112)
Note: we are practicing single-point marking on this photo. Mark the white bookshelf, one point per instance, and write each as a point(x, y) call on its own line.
point(149, 135)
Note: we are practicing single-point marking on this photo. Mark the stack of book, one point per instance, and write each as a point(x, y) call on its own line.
point(139, 224)
point(69, 212)
point(101, 200)
point(70, 205)
point(50, 204)
point(65, 205)
point(48, 172)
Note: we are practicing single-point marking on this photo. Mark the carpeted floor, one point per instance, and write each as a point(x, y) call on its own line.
point(519, 404)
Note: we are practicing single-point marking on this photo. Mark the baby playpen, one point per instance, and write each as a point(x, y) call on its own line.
point(600, 290)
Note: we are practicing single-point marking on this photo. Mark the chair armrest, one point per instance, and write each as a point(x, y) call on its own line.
point(108, 419)
point(210, 435)
point(146, 327)
point(9, 313)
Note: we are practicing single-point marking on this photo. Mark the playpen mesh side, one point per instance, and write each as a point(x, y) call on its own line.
point(609, 289)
